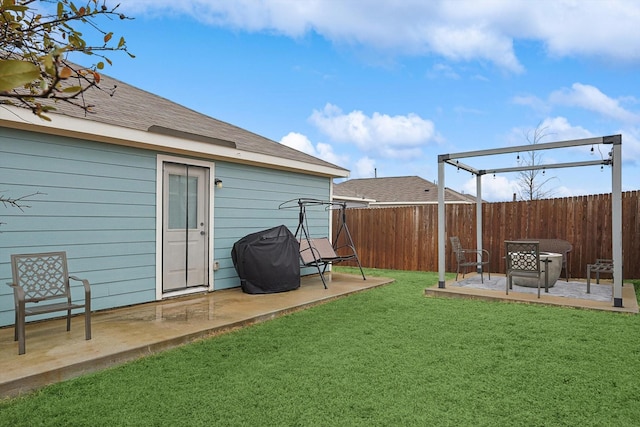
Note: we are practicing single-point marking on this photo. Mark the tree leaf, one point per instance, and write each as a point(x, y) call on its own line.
point(72, 89)
point(107, 37)
point(15, 8)
point(65, 73)
point(47, 61)
point(15, 73)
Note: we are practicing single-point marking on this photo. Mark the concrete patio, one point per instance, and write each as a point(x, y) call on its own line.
point(568, 294)
point(124, 334)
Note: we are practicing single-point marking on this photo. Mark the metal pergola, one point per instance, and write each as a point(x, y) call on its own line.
point(614, 160)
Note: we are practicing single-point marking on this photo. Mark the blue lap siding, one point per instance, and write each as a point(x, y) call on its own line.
point(98, 201)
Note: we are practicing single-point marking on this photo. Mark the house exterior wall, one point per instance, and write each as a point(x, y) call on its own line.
point(98, 203)
point(249, 201)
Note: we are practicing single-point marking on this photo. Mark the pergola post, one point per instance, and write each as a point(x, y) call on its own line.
point(616, 221)
point(441, 221)
point(479, 221)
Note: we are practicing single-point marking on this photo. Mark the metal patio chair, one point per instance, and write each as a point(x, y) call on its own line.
point(601, 266)
point(44, 277)
point(523, 260)
point(477, 258)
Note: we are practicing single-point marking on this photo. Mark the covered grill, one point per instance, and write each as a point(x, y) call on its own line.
point(267, 261)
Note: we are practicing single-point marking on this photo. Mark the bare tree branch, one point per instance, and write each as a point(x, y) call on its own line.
point(531, 183)
point(18, 202)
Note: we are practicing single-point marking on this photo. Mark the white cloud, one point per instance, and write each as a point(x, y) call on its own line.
point(393, 136)
point(559, 129)
point(364, 168)
point(464, 30)
point(563, 191)
point(607, 30)
point(325, 152)
point(471, 42)
point(299, 142)
point(592, 99)
point(321, 150)
point(535, 103)
point(497, 188)
point(500, 188)
point(631, 150)
point(443, 70)
point(553, 129)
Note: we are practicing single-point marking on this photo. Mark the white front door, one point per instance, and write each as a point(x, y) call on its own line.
point(185, 227)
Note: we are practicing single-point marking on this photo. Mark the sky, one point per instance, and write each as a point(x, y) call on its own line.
point(382, 87)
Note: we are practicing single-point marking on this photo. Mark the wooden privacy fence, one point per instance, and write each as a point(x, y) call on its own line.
point(406, 238)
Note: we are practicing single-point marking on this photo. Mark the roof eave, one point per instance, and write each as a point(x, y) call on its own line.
point(353, 199)
point(22, 119)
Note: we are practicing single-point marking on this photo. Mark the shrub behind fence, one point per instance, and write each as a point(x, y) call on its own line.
point(406, 238)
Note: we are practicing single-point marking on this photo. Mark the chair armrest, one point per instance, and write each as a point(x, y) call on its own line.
point(482, 252)
point(475, 251)
point(18, 292)
point(87, 288)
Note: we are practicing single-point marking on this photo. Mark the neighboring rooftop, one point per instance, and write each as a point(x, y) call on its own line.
point(395, 191)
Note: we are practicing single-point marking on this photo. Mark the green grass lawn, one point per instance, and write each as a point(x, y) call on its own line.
point(385, 357)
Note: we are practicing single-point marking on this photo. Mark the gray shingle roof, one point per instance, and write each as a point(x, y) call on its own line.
point(401, 190)
point(134, 108)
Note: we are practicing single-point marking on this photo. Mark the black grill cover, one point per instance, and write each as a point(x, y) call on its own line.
point(268, 261)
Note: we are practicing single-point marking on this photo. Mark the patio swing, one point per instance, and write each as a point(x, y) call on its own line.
point(320, 252)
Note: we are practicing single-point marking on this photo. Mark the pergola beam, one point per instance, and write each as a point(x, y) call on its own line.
point(611, 139)
point(546, 166)
point(475, 171)
point(460, 165)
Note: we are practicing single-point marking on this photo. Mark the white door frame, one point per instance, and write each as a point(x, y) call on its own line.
point(160, 160)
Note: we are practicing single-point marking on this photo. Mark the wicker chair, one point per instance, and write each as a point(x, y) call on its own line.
point(473, 260)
